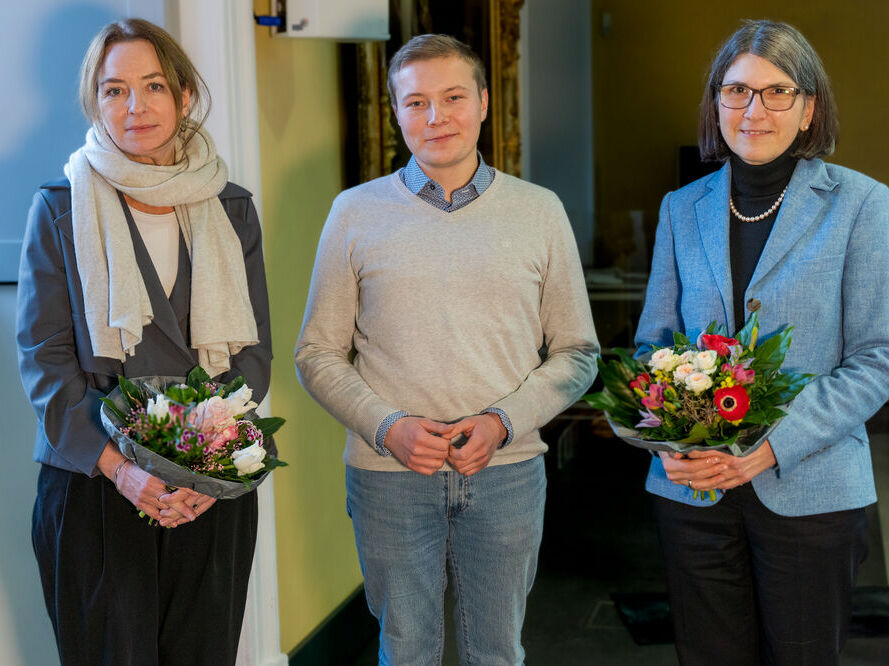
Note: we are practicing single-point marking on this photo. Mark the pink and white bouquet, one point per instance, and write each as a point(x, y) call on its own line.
point(193, 432)
point(714, 392)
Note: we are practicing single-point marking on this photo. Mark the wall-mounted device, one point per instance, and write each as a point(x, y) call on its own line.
point(342, 20)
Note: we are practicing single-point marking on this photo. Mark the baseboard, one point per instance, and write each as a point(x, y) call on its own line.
point(341, 637)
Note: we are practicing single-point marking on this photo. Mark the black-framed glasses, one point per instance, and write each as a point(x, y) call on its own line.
point(774, 98)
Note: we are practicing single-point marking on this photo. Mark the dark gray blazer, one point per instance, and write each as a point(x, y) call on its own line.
point(60, 374)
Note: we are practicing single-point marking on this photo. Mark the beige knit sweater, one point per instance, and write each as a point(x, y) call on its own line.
point(447, 313)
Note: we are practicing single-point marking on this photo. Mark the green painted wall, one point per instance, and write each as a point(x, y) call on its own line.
point(302, 171)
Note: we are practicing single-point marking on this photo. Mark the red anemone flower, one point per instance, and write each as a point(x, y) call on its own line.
point(732, 402)
point(718, 343)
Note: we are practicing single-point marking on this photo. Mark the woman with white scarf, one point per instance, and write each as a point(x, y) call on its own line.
point(144, 261)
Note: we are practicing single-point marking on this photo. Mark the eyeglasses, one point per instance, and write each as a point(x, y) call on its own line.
point(774, 98)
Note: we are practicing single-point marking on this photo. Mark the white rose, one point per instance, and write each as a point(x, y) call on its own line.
point(249, 460)
point(687, 357)
point(664, 360)
point(705, 361)
point(682, 371)
point(239, 402)
point(158, 407)
point(698, 381)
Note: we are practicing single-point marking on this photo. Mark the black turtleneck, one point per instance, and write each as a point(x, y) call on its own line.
point(755, 187)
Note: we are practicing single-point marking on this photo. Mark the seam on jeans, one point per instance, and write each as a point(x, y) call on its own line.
point(466, 496)
point(460, 607)
point(439, 648)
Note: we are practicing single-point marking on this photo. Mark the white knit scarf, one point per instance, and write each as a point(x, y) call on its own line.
point(116, 302)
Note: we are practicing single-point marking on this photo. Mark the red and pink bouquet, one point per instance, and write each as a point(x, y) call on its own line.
point(193, 432)
point(714, 392)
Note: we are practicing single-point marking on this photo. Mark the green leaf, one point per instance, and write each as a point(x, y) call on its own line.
point(680, 339)
point(197, 377)
point(715, 329)
point(271, 463)
point(769, 354)
point(791, 384)
point(617, 378)
point(601, 400)
point(114, 409)
point(232, 386)
point(698, 434)
point(764, 416)
point(746, 333)
point(182, 394)
point(132, 394)
point(269, 425)
point(723, 442)
point(633, 365)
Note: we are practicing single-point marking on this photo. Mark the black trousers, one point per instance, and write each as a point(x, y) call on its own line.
point(121, 592)
point(750, 587)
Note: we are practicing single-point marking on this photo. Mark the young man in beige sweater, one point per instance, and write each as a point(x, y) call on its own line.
point(460, 292)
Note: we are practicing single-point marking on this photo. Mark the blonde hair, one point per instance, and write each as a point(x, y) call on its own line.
point(176, 66)
point(429, 47)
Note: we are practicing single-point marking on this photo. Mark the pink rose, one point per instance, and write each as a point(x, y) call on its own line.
point(210, 415)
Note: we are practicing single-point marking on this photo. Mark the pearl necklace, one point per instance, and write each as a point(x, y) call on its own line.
point(761, 216)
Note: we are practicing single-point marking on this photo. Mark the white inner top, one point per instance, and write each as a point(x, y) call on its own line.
point(160, 233)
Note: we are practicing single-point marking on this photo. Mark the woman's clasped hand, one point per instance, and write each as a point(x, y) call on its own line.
point(716, 470)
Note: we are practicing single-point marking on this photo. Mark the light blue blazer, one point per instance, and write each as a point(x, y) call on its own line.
point(825, 271)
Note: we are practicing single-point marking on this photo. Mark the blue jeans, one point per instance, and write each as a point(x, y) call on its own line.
point(486, 527)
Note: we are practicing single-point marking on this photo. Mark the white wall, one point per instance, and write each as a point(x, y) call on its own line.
point(42, 124)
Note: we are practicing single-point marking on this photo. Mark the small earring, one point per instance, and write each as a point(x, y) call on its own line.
point(804, 128)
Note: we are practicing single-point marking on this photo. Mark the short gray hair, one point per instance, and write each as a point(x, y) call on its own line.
point(785, 47)
point(428, 47)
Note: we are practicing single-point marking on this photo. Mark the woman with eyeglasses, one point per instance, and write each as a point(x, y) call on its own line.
point(764, 575)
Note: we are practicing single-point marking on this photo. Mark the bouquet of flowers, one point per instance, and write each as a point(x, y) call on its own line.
point(714, 392)
point(192, 433)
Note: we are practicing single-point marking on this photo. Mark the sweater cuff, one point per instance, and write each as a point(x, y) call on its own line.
point(504, 419)
point(383, 430)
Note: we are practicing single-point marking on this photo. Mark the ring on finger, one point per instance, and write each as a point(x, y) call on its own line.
point(690, 485)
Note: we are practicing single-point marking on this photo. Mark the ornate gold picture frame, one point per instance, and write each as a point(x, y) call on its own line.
point(491, 28)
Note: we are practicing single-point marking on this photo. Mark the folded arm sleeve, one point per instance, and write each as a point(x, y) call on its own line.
point(569, 335)
point(67, 406)
point(832, 405)
point(660, 315)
